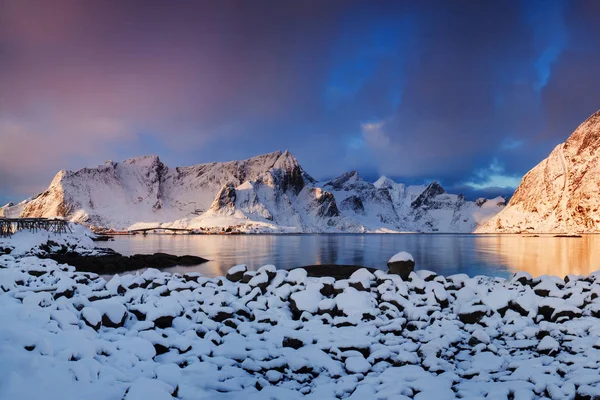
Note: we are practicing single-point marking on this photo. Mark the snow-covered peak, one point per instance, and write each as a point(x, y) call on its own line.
point(60, 175)
point(434, 189)
point(496, 201)
point(384, 183)
point(345, 180)
point(285, 160)
point(146, 161)
point(586, 138)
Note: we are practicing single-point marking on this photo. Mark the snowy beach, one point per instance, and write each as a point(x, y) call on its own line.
point(276, 334)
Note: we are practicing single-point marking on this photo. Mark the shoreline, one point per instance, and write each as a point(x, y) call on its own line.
point(526, 234)
point(497, 255)
point(284, 332)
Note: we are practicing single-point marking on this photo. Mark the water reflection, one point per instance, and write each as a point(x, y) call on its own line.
point(445, 254)
point(543, 255)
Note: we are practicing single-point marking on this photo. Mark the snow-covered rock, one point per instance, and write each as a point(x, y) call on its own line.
point(160, 335)
point(548, 345)
point(401, 256)
point(402, 264)
point(357, 365)
point(267, 193)
point(560, 194)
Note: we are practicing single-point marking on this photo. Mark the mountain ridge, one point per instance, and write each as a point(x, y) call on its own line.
point(266, 193)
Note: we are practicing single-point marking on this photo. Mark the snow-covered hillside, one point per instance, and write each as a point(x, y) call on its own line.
point(267, 193)
point(560, 194)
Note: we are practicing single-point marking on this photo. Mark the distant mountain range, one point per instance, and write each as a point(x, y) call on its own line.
point(562, 193)
point(267, 193)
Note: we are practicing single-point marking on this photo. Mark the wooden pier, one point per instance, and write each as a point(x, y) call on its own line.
point(8, 226)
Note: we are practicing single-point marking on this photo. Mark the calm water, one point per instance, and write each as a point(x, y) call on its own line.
point(498, 255)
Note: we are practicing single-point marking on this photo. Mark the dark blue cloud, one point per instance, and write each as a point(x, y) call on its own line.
point(470, 93)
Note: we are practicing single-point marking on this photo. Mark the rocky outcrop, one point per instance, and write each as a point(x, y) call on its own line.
point(345, 181)
point(353, 203)
point(561, 193)
point(317, 204)
point(225, 201)
point(325, 204)
point(426, 198)
point(289, 175)
point(115, 263)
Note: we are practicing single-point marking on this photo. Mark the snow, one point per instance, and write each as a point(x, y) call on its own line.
point(355, 303)
point(237, 269)
point(92, 316)
point(357, 365)
point(297, 276)
point(111, 308)
point(486, 361)
point(481, 336)
point(258, 279)
point(402, 256)
point(270, 193)
point(144, 389)
point(548, 344)
point(363, 277)
point(445, 337)
point(308, 299)
point(25, 242)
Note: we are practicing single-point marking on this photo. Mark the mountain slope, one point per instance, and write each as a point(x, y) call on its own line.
point(267, 193)
point(561, 193)
point(144, 189)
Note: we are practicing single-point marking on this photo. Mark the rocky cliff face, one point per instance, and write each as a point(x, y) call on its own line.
point(225, 201)
point(560, 194)
point(267, 193)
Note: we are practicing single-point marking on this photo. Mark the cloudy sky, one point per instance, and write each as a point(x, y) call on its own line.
point(471, 93)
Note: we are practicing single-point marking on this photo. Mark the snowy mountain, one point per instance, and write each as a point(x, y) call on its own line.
point(560, 194)
point(267, 193)
point(431, 209)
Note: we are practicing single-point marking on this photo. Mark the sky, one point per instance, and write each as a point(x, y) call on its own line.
point(472, 94)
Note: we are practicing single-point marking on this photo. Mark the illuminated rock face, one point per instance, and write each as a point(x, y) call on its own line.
point(560, 194)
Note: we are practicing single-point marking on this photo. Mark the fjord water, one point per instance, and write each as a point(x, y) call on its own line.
point(446, 254)
point(491, 255)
